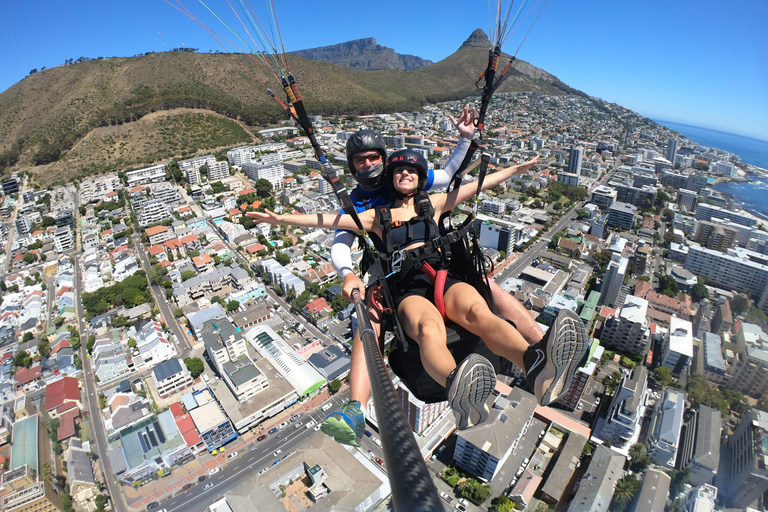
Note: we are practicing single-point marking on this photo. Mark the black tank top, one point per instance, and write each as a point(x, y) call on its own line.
point(406, 233)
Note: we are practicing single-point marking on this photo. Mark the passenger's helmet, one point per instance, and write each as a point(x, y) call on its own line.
point(408, 157)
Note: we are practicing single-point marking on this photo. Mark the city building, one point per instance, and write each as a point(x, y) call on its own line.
point(499, 234)
point(700, 448)
point(737, 269)
point(483, 450)
point(568, 178)
point(576, 154)
point(688, 199)
point(626, 411)
point(613, 280)
point(652, 496)
point(677, 349)
point(664, 432)
point(596, 486)
point(272, 172)
point(63, 239)
point(743, 474)
point(151, 174)
point(715, 236)
point(629, 330)
point(714, 367)
point(641, 197)
point(170, 377)
point(154, 211)
point(603, 197)
point(622, 215)
point(192, 175)
point(708, 212)
point(418, 414)
point(217, 170)
point(671, 153)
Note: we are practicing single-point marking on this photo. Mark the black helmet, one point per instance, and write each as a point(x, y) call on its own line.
point(367, 140)
point(408, 157)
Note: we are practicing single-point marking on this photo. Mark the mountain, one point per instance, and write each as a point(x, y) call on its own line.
point(365, 55)
point(102, 115)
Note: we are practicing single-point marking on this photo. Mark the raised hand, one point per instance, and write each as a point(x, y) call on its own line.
point(466, 122)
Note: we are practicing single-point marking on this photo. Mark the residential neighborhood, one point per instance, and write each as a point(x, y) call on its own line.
point(160, 349)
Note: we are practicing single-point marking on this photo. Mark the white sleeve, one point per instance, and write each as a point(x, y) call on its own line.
point(444, 176)
point(341, 251)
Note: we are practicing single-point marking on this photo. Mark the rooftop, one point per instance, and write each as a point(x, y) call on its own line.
point(634, 309)
point(24, 443)
point(681, 336)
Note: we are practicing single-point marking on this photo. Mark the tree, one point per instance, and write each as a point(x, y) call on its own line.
point(156, 274)
point(639, 455)
point(21, 357)
point(699, 291)
point(30, 258)
point(232, 305)
point(334, 385)
point(663, 375)
point(187, 274)
point(44, 348)
point(132, 343)
point(679, 479)
point(624, 491)
point(612, 381)
point(282, 258)
point(668, 286)
point(740, 304)
point(178, 313)
point(263, 187)
point(27, 337)
point(195, 366)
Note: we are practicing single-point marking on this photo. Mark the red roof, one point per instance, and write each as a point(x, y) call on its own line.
point(26, 375)
point(156, 249)
point(156, 229)
point(64, 408)
point(60, 392)
point(246, 191)
point(67, 424)
point(187, 429)
point(255, 248)
point(137, 189)
point(189, 239)
point(176, 409)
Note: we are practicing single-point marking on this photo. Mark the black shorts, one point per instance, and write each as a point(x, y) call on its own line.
point(417, 283)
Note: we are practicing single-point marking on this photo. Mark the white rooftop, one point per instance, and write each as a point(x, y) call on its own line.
point(681, 336)
point(634, 309)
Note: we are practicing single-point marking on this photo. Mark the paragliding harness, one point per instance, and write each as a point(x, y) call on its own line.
point(446, 251)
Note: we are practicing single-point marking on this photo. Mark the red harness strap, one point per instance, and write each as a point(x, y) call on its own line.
point(438, 280)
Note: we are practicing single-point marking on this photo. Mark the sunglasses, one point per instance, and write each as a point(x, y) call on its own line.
point(361, 159)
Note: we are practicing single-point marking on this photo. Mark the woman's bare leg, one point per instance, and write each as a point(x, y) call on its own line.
point(467, 308)
point(421, 321)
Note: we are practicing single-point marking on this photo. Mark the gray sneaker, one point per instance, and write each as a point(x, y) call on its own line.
point(551, 363)
point(469, 386)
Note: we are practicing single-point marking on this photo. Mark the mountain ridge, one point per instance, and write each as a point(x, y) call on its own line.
point(364, 54)
point(86, 118)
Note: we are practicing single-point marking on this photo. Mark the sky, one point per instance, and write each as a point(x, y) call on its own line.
point(702, 63)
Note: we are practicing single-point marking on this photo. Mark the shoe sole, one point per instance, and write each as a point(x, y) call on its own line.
point(470, 389)
point(569, 344)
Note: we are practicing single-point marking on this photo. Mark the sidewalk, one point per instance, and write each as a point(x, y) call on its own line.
point(157, 490)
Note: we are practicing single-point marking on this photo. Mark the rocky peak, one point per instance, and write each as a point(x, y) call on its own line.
point(478, 39)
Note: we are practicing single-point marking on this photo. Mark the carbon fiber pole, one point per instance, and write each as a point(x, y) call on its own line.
point(412, 487)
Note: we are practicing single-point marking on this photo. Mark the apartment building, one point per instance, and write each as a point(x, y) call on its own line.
point(629, 330)
point(743, 474)
point(677, 349)
point(217, 170)
point(153, 174)
point(664, 432)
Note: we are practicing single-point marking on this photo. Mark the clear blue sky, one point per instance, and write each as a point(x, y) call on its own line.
point(703, 63)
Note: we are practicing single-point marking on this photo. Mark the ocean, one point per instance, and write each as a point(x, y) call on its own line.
point(753, 195)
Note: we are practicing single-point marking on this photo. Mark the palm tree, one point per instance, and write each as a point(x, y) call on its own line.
point(625, 490)
point(637, 451)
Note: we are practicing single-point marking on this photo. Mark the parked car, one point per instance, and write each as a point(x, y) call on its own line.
point(201, 478)
point(380, 461)
point(187, 486)
point(282, 425)
point(299, 425)
point(376, 440)
point(261, 437)
point(368, 433)
point(152, 505)
point(213, 471)
point(272, 431)
point(231, 455)
point(261, 472)
point(295, 417)
point(597, 400)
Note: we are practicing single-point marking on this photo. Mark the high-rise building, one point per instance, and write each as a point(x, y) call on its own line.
point(217, 170)
point(743, 474)
point(192, 175)
point(622, 215)
point(604, 197)
point(629, 330)
point(714, 236)
point(574, 160)
point(418, 414)
point(708, 212)
point(687, 198)
point(677, 349)
point(672, 150)
point(596, 486)
point(613, 280)
point(625, 416)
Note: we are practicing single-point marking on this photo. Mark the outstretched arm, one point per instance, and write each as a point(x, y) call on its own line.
point(444, 202)
point(315, 220)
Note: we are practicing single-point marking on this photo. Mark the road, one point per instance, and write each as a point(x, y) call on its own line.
point(158, 292)
point(253, 458)
point(92, 398)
